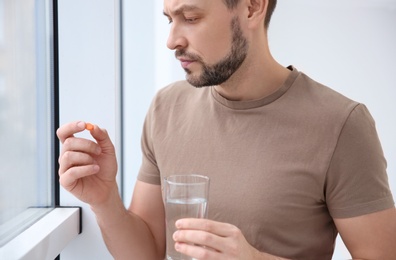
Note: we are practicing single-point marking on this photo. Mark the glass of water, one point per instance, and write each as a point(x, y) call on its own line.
point(185, 196)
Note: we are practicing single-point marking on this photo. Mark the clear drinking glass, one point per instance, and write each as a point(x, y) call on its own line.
point(185, 196)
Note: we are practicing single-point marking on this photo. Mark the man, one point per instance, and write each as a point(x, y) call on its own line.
point(291, 162)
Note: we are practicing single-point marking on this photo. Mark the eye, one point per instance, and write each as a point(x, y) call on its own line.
point(170, 21)
point(191, 20)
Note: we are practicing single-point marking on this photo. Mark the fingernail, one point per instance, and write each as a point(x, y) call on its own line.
point(175, 235)
point(98, 150)
point(96, 168)
point(81, 124)
point(177, 246)
point(178, 223)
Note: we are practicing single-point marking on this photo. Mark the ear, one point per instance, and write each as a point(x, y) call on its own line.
point(257, 10)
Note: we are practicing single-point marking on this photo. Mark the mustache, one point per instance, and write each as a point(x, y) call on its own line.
point(188, 55)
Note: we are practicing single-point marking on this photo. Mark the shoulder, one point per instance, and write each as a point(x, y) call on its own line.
point(322, 95)
point(319, 102)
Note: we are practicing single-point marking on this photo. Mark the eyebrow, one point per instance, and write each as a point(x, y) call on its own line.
point(182, 9)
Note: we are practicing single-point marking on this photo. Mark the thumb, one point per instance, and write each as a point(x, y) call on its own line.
point(102, 138)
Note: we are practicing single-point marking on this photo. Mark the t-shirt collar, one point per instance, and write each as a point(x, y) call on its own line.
point(241, 105)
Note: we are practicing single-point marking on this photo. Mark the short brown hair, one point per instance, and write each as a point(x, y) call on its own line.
point(231, 4)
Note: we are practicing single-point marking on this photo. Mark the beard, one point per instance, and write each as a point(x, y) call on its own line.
point(221, 71)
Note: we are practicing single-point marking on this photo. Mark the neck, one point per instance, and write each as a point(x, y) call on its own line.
point(259, 76)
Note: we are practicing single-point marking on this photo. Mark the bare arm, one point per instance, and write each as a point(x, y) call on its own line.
point(137, 233)
point(87, 170)
point(371, 236)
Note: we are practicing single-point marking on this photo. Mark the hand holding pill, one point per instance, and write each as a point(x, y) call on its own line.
point(87, 168)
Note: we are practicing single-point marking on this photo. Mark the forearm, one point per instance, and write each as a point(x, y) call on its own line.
point(126, 235)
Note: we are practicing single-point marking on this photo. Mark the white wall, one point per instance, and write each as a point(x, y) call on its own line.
point(347, 45)
point(139, 83)
point(88, 91)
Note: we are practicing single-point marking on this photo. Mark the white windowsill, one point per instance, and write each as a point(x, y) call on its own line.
point(46, 238)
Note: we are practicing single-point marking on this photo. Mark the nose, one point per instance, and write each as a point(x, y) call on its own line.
point(176, 38)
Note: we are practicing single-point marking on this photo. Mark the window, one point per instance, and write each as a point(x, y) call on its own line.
point(26, 115)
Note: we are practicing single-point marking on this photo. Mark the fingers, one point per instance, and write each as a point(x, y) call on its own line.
point(71, 159)
point(68, 130)
point(195, 242)
point(81, 144)
point(198, 252)
point(85, 164)
point(76, 161)
point(213, 237)
point(69, 179)
point(101, 136)
point(70, 143)
point(103, 139)
point(218, 228)
point(183, 238)
point(77, 154)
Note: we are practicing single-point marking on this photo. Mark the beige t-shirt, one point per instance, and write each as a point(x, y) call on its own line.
point(281, 167)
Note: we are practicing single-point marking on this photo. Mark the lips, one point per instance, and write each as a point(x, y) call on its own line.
point(186, 58)
point(185, 63)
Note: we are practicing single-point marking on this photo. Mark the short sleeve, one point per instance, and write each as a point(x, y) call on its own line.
point(149, 171)
point(356, 181)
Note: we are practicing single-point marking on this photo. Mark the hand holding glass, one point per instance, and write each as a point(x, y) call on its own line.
point(186, 196)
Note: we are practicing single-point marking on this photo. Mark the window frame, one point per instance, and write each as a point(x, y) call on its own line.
point(46, 238)
point(49, 235)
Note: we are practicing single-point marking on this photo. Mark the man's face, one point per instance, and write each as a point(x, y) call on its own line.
point(208, 40)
